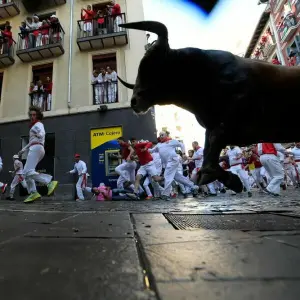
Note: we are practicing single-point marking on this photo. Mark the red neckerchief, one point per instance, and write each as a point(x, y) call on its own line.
point(198, 148)
point(33, 123)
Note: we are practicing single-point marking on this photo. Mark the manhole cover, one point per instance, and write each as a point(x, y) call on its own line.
point(246, 222)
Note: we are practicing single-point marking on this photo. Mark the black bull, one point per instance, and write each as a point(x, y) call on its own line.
point(237, 100)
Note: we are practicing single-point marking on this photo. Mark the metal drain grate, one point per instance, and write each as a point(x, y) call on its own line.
point(246, 222)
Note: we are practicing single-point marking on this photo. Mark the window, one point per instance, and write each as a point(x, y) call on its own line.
point(101, 6)
point(45, 16)
point(40, 90)
point(104, 79)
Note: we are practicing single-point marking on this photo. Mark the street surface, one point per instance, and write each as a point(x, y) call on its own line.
point(225, 247)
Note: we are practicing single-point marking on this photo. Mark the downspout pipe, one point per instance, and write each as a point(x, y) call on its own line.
point(276, 35)
point(70, 52)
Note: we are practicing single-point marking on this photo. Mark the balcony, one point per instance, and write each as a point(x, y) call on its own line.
point(9, 8)
point(7, 53)
point(43, 100)
point(32, 6)
point(35, 46)
point(105, 92)
point(290, 27)
point(94, 36)
point(269, 46)
point(278, 5)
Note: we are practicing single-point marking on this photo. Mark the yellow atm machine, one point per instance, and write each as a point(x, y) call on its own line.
point(104, 155)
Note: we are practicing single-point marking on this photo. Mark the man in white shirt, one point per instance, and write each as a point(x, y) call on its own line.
point(18, 177)
point(295, 151)
point(198, 159)
point(167, 151)
point(81, 169)
point(235, 155)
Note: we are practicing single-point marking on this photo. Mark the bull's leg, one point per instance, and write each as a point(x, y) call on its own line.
point(211, 171)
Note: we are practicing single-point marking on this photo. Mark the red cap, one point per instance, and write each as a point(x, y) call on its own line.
point(77, 155)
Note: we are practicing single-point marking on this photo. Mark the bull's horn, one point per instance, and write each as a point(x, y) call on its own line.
point(152, 26)
point(128, 85)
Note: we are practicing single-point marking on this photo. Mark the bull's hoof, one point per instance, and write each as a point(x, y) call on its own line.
point(234, 183)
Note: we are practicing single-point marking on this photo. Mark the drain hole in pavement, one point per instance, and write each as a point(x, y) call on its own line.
point(244, 222)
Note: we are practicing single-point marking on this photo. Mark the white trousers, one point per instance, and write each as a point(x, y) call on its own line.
point(130, 168)
point(291, 173)
point(81, 185)
point(49, 101)
point(275, 170)
point(121, 180)
point(35, 155)
point(18, 178)
point(256, 174)
point(171, 173)
point(239, 171)
point(148, 180)
point(118, 20)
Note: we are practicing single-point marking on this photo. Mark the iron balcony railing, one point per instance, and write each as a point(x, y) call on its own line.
point(105, 92)
point(289, 21)
point(34, 39)
point(41, 99)
point(101, 26)
point(16, 2)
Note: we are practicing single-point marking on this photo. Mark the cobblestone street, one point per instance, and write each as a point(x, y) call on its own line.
point(290, 200)
point(225, 247)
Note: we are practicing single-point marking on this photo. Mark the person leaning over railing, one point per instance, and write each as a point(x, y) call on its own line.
point(115, 16)
point(8, 40)
point(55, 36)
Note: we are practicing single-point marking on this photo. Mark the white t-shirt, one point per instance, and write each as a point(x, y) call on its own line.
point(18, 165)
point(198, 162)
point(232, 154)
point(296, 153)
point(167, 150)
point(80, 168)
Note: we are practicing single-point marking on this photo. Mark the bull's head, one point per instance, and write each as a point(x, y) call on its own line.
point(150, 84)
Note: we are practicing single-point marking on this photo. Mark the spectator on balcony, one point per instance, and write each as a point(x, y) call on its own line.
point(101, 26)
point(36, 33)
point(44, 29)
point(24, 33)
point(97, 86)
point(33, 25)
point(36, 93)
point(55, 29)
point(48, 93)
point(275, 61)
point(103, 86)
point(114, 10)
point(111, 78)
point(8, 39)
point(87, 16)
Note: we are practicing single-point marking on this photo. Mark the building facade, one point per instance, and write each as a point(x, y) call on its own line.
point(174, 119)
point(277, 35)
point(52, 66)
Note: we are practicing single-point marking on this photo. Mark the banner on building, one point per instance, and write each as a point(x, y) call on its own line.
point(104, 155)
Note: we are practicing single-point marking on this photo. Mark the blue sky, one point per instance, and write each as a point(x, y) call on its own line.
point(229, 27)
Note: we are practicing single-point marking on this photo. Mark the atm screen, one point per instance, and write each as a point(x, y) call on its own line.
point(112, 160)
